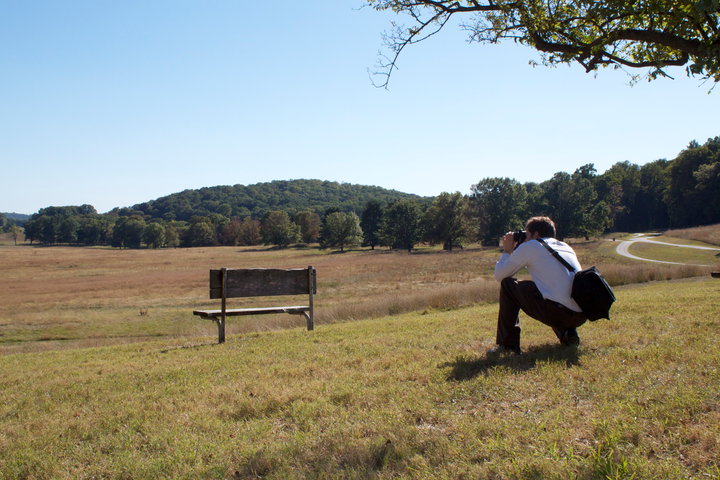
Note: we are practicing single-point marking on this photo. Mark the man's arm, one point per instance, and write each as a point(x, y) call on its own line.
point(508, 242)
point(511, 261)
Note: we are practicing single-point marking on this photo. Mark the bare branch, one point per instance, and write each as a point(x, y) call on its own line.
point(412, 37)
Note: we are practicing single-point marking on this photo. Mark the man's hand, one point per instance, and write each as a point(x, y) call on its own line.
point(508, 242)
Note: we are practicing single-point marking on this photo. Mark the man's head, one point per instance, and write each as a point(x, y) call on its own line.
point(543, 226)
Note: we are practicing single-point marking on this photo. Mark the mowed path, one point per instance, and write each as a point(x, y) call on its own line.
point(624, 249)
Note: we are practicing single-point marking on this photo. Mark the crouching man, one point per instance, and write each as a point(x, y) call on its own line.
point(546, 297)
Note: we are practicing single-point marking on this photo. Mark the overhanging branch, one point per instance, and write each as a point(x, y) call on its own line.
point(601, 33)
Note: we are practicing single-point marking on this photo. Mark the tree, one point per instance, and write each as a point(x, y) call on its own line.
point(250, 232)
point(15, 232)
point(200, 233)
point(370, 223)
point(591, 216)
point(309, 223)
point(128, 232)
point(446, 220)
point(499, 205)
point(649, 35)
point(278, 229)
point(172, 236)
point(598, 219)
point(94, 229)
point(32, 229)
point(68, 229)
point(690, 195)
point(342, 229)
point(572, 202)
point(618, 187)
point(323, 229)
point(707, 177)
point(154, 235)
point(654, 181)
point(401, 226)
point(230, 232)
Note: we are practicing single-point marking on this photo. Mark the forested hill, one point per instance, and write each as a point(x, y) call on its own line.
point(255, 200)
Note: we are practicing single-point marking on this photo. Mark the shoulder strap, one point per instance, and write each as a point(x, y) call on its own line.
point(556, 255)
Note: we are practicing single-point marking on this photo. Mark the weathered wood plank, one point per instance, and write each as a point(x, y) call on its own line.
point(261, 282)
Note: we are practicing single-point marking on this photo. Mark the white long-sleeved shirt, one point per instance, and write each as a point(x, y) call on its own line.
point(553, 280)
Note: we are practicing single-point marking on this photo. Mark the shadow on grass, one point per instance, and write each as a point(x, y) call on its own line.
point(464, 368)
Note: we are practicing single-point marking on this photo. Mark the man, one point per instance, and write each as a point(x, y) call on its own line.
point(547, 296)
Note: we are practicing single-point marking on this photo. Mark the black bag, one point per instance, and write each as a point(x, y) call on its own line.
point(589, 289)
point(592, 293)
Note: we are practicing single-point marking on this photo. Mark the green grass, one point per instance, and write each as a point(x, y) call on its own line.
point(674, 254)
point(407, 396)
point(684, 241)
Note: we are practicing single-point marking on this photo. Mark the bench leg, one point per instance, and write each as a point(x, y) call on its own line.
point(221, 329)
point(310, 323)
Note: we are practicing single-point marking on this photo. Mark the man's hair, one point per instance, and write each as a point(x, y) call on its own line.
point(543, 225)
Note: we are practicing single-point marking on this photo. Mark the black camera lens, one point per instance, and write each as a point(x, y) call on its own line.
point(519, 236)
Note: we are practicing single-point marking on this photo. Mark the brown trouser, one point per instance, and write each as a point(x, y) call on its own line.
point(516, 295)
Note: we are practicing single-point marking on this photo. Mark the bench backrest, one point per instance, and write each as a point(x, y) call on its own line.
point(262, 282)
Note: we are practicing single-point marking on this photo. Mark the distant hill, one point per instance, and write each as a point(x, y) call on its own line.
point(256, 200)
point(18, 218)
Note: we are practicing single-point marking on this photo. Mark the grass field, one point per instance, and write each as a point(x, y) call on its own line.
point(66, 297)
point(408, 392)
point(62, 296)
point(408, 396)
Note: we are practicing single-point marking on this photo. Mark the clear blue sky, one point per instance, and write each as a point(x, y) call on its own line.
point(116, 103)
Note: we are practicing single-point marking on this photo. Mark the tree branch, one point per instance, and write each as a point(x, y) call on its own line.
point(637, 34)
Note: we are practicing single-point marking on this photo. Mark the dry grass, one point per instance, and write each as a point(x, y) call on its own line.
point(54, 296)
point(623, 274)
point(439, 298)
point(65, 297)
point(707, 234)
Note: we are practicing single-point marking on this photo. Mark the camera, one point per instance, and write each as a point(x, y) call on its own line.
point(519, 236)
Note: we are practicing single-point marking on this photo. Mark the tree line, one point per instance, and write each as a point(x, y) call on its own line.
point(396, 225)
point(678, 193)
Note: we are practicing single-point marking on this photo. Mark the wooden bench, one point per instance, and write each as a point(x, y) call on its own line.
point(259, 282)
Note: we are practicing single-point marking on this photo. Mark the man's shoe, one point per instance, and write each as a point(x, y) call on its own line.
point(570, 338)
point(501, 349)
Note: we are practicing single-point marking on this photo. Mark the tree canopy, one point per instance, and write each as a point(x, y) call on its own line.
point(292, 196)
point(278, 229)
point(500, 205)
point(446, 220)
point(402, 227)
point(341, 229)
point(371, 222)
point(649, 35)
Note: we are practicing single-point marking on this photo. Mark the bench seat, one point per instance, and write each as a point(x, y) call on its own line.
point(213, 314)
